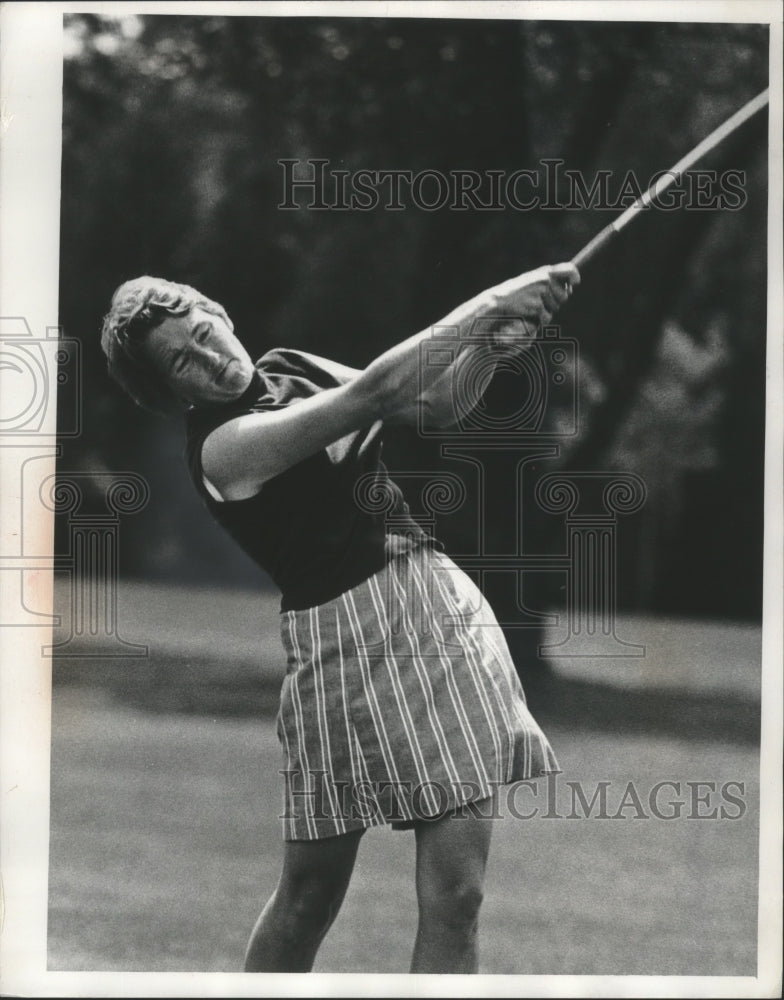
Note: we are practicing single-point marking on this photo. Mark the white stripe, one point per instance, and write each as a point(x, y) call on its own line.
point(346, 711)
point(476, 669)
point(451, 681)
point(460, 623)
point(518, 704)
point(378, 816)
point(427, 689)
point(321, 716)
point(363, 769)
point(370, 696)
point(288, 801)
point(507, 703)
point(300, 728)
point(399, 692)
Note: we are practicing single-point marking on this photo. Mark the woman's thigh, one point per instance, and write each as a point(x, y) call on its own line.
point(452, 857)
point(319, 868)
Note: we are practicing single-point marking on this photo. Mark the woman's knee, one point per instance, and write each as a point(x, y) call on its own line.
point(314, 880)
point(310, 898)
point(451, 861)
point(454, 902)
point(306, 906)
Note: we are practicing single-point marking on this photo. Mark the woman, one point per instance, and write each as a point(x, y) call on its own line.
point(400, 702)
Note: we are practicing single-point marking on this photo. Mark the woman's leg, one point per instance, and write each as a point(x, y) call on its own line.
point(312, 885)
point(450, 873)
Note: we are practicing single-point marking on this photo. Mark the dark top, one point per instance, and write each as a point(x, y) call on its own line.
point(306, 527)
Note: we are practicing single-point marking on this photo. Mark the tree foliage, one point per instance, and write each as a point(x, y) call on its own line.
point(172, 132)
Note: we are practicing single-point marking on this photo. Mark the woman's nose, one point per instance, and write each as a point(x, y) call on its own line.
point(208, 354)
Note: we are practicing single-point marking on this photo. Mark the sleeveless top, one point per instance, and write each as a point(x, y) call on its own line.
point(306, 527)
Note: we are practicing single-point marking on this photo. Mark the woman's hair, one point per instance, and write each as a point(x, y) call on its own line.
point(138, 306)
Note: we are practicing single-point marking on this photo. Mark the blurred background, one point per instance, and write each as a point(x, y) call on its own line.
point(172, 129)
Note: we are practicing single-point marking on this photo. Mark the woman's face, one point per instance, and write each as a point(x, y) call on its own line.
point(199, 357)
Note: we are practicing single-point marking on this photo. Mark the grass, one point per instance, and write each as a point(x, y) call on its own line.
point(165, 843)
point(218, 652)
point(165, 840)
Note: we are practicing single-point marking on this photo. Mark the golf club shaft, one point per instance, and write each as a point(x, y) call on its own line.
point(592, 248)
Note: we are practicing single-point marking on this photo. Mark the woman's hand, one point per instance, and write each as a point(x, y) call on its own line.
point(505, 316)
point(518, 307)
point(538, 293)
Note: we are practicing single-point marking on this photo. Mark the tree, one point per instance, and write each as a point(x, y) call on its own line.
point(173, 129)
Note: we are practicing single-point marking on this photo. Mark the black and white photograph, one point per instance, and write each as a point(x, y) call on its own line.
point(391, 449)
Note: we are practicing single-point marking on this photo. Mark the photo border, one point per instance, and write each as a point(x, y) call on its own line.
point(31, 40)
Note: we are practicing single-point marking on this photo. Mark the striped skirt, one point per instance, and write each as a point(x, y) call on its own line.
point(400, 703)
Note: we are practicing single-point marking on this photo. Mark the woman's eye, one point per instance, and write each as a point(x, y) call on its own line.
point(202, 334)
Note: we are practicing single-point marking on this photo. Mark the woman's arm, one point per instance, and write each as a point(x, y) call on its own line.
point(241, 455)
point(505, 316)
point(341, 373)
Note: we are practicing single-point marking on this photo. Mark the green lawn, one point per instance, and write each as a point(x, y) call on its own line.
point(165, 842)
